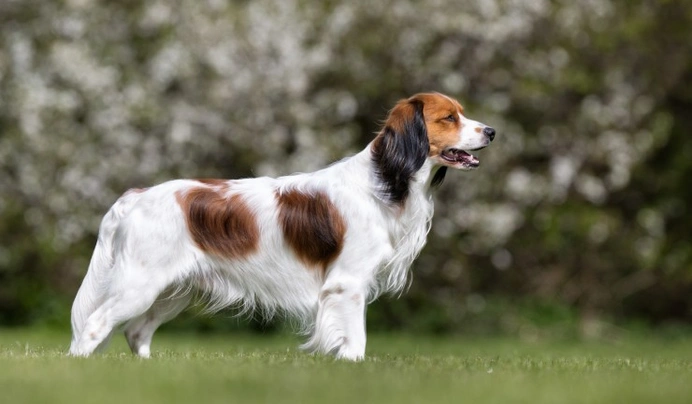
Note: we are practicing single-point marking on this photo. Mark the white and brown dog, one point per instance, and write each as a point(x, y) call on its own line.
point(316, 246)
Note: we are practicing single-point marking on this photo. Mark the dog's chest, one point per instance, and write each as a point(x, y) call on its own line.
point(408, 232)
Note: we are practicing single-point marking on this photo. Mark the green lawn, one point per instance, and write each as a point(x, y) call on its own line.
point(414, 369)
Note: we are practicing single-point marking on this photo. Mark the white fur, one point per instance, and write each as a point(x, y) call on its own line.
point(145, 262)
point(471, 136)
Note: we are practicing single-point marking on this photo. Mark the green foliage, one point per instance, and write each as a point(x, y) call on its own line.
point(580, 203)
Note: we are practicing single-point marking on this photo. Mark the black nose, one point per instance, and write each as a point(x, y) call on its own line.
point(489, 132)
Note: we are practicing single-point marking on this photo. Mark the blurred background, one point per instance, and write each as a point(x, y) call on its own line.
point(577, 223)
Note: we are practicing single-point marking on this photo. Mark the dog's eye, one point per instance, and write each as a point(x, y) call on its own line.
point(451, 118)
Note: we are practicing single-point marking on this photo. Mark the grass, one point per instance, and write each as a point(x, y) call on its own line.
point(410, 369)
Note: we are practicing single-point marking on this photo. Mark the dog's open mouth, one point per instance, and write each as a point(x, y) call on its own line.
point(460, 157)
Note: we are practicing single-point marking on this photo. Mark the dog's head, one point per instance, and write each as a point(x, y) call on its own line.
point(426, 126)
point(450, 135)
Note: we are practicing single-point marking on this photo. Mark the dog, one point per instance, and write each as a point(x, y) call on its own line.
point(317, 247)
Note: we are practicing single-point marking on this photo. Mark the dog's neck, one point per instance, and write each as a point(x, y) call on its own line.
point(408, 223)
point(420, 185)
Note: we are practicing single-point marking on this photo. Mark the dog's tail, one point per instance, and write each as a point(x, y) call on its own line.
point(96, 282)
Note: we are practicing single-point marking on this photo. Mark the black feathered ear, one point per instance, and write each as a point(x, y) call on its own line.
point(400, 149)
point(438, 177)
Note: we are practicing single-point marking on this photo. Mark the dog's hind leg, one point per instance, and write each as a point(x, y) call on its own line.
point(126, 299)
point(104, 344)
point(139, 331)
point(93, 292)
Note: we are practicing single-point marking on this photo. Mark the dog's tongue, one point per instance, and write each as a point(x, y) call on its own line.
point(460, 156)
point(467, 158)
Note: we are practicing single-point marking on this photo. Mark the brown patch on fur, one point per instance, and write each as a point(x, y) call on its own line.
point(478, 129)
point(219, 224)
point(400, 116)
point(442, 132)
point(312, 226)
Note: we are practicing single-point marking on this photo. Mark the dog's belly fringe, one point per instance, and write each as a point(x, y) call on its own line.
point(256, 288)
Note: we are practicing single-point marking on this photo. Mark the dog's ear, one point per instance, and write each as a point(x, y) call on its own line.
point(438, 177)
point(400, 149)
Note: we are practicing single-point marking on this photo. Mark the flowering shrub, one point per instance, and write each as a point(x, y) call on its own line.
point(586, 98)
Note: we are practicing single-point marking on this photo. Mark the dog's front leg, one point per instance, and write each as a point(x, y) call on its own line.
point(340, 323)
